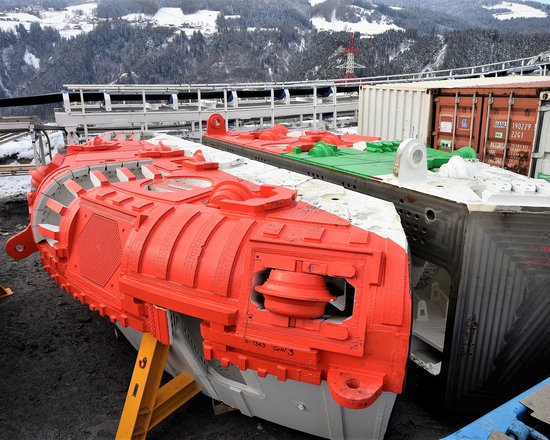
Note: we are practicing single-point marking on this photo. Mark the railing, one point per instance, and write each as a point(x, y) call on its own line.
point(518, 66)
point(94, 107)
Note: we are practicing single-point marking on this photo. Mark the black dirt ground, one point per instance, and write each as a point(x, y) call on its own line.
point(64, 374)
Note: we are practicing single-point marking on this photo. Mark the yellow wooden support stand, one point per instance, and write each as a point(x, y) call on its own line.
point(5, 292)
point(146, 405)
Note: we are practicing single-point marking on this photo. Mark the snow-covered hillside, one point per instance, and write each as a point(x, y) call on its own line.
point(203, 20)
point(359, 19)
point(509, 10)
point(70, 21)
point(82, 18)
point(364, 27)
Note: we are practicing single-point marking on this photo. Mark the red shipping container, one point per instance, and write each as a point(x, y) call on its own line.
point(499, 122)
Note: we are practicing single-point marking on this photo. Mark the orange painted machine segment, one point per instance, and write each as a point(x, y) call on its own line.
point(135, 230)
point(276, 139)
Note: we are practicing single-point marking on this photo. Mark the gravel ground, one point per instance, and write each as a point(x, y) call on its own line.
point(65, 374)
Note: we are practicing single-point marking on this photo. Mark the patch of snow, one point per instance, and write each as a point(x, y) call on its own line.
point(10, 20)
point(315, 2)
point(137, 17)
point(232, 17)
point(364, 27)
point(22, 147)
point(516, 10)
point(346, 130)
point(403, 47)
point(396, 8)
point(253, 29)
point(70, 21)
point(441, 55)
point(31, 60)
point(14, 186)
point(169, 17)
point(203, 20)
point(82, 10)
point(18, 186)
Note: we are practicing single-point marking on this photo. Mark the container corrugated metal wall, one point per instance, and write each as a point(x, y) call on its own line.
point(395, 113)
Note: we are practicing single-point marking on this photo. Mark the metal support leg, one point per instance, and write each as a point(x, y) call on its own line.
point(35, 152)
point(146, 405)
point(5, 292)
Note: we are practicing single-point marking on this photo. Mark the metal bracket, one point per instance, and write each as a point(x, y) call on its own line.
point(146, 405)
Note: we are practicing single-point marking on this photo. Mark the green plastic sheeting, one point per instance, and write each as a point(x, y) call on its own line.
point(375, 160)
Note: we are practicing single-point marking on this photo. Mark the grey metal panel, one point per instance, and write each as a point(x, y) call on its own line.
point(501, 342)
point(298, 405)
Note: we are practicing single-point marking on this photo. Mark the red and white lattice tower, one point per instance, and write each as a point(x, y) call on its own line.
point(350, 65)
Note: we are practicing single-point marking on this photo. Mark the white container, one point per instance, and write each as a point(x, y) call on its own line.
point(397, 111)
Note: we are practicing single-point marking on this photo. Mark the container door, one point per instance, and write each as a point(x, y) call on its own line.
point(542, 162)
point(457, 122)
point(509, 131)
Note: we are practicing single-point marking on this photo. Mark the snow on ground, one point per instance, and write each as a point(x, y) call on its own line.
point(14, 186)
point(137, 17)
point(516, 10)
point(396, 8)
point(18, 186)
point(315, 2)
point(10, 20)
point(31, 60)
point(70, 21)
point(254, 29)
point(347, 130)
point(364, 27)
point(169, 17)
point(203, 20)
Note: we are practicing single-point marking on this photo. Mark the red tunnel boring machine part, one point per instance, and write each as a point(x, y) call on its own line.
point(276, 139)
point(136, 230)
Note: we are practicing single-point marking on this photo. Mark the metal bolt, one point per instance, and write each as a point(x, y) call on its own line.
point(301, 406)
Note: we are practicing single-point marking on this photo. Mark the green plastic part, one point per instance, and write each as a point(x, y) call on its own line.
point(322, 149)
point(383, 146)
point(376, 160)
point(465, 153)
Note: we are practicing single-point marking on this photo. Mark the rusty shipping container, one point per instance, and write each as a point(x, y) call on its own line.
point(499, 122)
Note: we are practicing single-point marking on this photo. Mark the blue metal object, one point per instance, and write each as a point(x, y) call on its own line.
point(506, 419)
